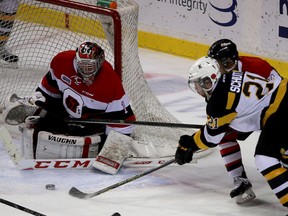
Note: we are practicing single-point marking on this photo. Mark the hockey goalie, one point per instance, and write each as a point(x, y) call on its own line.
point(80, 84)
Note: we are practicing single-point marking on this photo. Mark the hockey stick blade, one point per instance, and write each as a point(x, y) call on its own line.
point(126, 122)
point(81, 195)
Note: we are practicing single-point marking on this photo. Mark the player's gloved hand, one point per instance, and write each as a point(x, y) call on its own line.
point(185, 150)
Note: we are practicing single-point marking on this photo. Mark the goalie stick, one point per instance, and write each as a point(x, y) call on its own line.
point(80, 163)
point(126, 122)
point(81, 195)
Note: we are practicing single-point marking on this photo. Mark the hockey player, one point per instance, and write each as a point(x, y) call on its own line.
point(80, 84)
point(8, 9)
point(226, 54)
point(244, 102)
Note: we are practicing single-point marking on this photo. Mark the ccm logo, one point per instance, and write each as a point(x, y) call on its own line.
point(59, 164)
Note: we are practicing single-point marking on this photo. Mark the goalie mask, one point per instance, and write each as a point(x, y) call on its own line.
point(89, 58)
point(203, 76)
point(225, 52)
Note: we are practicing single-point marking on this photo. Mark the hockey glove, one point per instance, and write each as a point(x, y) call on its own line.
point(185, 150)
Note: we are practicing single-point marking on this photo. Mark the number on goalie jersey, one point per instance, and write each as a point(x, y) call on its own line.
point(82, 84)
point(245, 102)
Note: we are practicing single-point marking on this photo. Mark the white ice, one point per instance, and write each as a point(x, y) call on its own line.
point(193, 189)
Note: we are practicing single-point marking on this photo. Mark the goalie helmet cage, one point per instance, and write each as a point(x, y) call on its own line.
point(43, 28)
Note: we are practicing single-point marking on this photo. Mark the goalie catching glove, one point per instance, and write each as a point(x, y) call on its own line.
point(18, 108)
point(185, 150)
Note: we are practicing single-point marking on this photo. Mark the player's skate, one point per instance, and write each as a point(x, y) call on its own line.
point(7, 56)
point(242, 191)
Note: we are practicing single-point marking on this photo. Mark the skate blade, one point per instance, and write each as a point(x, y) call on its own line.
point(246, 197)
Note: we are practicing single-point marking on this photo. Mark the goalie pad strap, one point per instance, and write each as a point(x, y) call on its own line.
point(86, 146)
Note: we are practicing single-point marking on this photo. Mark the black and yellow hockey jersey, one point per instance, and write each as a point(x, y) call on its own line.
point(242, 101)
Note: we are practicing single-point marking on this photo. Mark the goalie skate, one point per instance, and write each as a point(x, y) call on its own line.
point(242, 191)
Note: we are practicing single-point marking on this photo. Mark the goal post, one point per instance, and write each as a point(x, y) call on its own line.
point(43, 28)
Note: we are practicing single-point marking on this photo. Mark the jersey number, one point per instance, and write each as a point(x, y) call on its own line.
point(260, 91)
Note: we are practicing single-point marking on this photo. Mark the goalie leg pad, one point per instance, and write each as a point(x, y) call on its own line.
point(58, 146)
point(113, 153)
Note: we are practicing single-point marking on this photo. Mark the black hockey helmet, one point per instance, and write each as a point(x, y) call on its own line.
point(224, 51)
point(223, 48)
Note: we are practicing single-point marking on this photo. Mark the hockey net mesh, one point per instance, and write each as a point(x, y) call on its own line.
point(42, 29)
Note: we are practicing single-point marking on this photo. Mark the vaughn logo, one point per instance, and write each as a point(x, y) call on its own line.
point(61, 139)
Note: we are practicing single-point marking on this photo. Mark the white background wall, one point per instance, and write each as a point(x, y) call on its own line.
point(254, 25)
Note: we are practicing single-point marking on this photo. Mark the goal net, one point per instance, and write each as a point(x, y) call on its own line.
point(43, 28)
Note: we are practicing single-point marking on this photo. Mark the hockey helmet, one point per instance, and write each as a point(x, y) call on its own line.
point(203, 76)
point(89, 57)
point(225, 52)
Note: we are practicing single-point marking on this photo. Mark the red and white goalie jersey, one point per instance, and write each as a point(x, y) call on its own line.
point(105, 98)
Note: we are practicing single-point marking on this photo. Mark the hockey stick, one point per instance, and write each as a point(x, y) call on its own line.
point(122, 122)
point(81, 195)
point(126, 122)
point(19, 207)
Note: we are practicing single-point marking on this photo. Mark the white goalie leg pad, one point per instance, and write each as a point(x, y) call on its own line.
point(59, 146)
point(113, 153)
point(55, 146)
point(17, 109)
